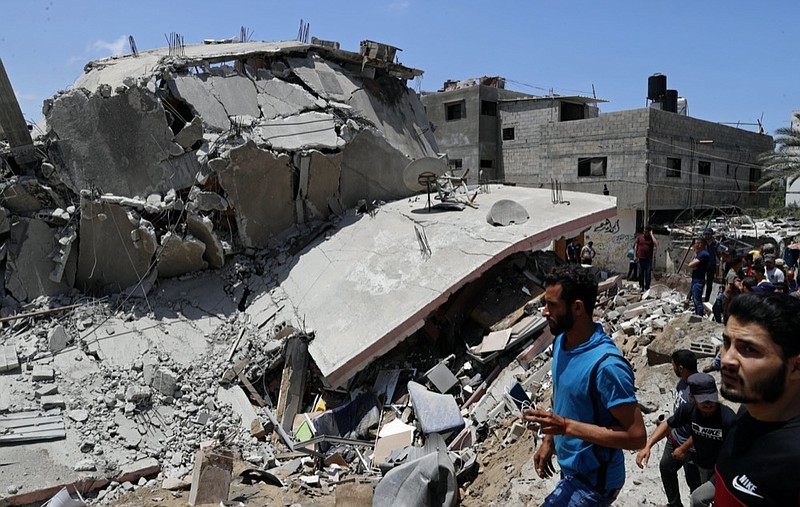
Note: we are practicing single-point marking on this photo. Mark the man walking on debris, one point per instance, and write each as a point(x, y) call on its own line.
point(595, 413)
point(709, 422)
point(699, 265)
point(712, 245)
point(684, 364)
point(759, 461)
point(644, 246)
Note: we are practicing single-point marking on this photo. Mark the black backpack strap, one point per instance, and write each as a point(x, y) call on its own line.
point(594, 394)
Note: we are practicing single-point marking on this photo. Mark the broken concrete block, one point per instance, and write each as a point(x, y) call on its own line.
point(8, 358)
point(203, 229)
point(161, 379)
point(85, 465)
point(43, 373)
point(30, 261)
point(211, 478)
point(180, 255)
point(635, 312)
point(190, 134)
point(23, 194)
point(175, 484)
point(196, 91)
point(54, 401)
point(46, 390)
point(205, 201)
point(57, 339)
point(140, 468)
point(109, 260)
point(137, 394)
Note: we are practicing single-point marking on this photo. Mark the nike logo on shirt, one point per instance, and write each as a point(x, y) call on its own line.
point(743, 484)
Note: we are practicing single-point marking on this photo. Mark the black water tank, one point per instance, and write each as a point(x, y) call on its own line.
point(671, 101)
point(656, 86)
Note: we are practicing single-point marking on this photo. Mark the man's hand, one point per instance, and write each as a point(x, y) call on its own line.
point(550, 423)
point(543, 459)
point(642, 457)
point(681, 453)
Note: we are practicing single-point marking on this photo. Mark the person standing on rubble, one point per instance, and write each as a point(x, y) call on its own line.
point(587, 253)
point(712, 246)
point(644, 247)
point(595, 413)
point(699, 266)
point(759, 460)
point(684, 364)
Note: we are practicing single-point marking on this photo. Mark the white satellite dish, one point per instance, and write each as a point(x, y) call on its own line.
point(435, 165)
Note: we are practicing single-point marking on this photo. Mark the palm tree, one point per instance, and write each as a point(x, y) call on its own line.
point(783, 164)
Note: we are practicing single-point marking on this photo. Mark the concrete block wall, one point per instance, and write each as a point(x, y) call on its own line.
point(544, 150)
point(730, 151)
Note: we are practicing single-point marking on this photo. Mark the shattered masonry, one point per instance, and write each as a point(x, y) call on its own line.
point(157, 165)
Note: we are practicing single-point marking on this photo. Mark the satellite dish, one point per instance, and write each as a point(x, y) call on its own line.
point(411, 174)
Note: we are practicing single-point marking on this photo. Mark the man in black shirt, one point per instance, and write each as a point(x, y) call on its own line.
point(684, 364)
point(759, 462)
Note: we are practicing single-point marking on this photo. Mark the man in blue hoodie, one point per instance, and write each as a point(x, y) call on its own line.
point(595, 413)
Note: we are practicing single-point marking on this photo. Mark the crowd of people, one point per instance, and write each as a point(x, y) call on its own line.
point(749, 458)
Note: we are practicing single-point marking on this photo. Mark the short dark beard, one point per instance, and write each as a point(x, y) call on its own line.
point(563, 324)
point(768, 390)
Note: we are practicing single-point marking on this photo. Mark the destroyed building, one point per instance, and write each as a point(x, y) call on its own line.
point(163, 162)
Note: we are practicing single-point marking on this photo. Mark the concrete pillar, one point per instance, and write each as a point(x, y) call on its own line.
point(11, 119)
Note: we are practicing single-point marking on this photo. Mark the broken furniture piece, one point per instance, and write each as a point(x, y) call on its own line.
point(436, 413)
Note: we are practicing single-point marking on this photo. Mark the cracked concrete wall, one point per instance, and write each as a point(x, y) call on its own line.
point(259, 184)
point(109, 260)
point(301, 132)
point(116, 144)
point(371, 169)
point(31, 247)
point(279, 98)
point(194, 91)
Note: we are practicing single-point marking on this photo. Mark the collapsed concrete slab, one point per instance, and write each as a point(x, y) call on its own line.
point(279, 98)
point(306, 130)
point(115, 143)
point(116, 248)
point(30, 262)
point(369, 285)
point(259, 186)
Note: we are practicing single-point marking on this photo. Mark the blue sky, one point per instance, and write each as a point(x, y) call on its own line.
point(733, 60)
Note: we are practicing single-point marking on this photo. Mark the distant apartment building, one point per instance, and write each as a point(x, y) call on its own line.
point(466, 124)
point(655, 159)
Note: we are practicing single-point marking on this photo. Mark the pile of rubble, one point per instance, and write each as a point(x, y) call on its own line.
point(146, 419)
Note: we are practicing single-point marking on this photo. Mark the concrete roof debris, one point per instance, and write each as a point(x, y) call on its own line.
point(368, 286)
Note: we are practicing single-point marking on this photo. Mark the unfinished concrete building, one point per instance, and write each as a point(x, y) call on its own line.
point(655, 161)
point(162, 162)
